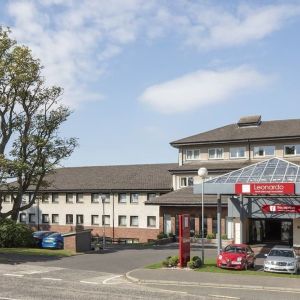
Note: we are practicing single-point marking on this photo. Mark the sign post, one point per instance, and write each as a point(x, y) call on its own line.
point(184, 240)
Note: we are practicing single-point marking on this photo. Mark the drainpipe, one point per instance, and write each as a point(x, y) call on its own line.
point(113, 215)
point(219, 210)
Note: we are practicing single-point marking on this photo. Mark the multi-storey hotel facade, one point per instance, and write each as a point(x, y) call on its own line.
point(139, 201)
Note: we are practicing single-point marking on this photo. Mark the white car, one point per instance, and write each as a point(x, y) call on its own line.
point(281, 260)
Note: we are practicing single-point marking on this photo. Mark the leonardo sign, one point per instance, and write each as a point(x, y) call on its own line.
point(281, 208)
point(265, 188)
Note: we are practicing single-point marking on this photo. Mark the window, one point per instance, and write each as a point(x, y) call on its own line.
point(215, 153)
point(7, 199)
point(45, 198)
point(45, 218)
point(31, 218)
point(22, 218)
point(69, 219)
point(122, 198)
point(134, 198)
point(292, 150)
point(151, 221)
point(134, 221)
point(79, 198)
point(192, 154)
point(79, 219)
point(55, 219)
point(122, 220)
point(95, 220)
point(70, 198)
point(106, 198)
point(106, 220)
point(238, 152)
point(151, 196)
point(263, 151)
point(55, 198)
point(186, 181)
point(95, 198)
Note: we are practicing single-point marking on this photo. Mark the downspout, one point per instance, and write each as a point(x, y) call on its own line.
point(113, 231)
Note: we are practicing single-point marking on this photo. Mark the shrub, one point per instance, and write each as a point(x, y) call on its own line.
point(195, 262)
point(171, 261)
point(210, 236)
point(161, 235)
point(224, 237)
point(197, 236)
point(13, 234)
point(171, 234)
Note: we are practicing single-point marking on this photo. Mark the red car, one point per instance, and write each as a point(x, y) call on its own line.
point(236, 256)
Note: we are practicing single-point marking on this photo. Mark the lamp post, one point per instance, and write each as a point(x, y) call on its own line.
point(202, 172)
point(103, 197)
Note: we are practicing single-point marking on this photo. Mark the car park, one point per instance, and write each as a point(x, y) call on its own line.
point(236, 256)
point(281, 259)
point(54, 241)
point(39, 235)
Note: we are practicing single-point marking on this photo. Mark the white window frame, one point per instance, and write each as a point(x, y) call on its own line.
point(215, 150)
point(30, 221)
point(95, 220)
point(187, 181)
point(237, 157)
point(148, 221)
point(193, 154)
point(68, 215)
point(44, 217)
point(297, 153)
point(257, 148)
point(136, 218)
point(124, 218)
point(151, 196)
point(107, 197)
point(53, 217)
point(122, 200)
point(55, 198)
point(22, 218)
point(134, 198)
point(106, 220)
point(7, 198)
point(95, 198)
point(79, 198)
point(81, 218)
point(68, 200)
point(46, 198)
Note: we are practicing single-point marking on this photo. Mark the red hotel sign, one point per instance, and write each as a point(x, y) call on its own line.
point(281, 208)
point(265, 188)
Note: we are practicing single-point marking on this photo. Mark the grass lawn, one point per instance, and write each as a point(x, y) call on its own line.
point(36, 251)
point(210, 266)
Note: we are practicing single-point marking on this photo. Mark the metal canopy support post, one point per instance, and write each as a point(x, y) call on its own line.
point(241, 218)
point(219, 209)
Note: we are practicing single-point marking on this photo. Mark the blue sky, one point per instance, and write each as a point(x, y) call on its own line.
point(140, 74)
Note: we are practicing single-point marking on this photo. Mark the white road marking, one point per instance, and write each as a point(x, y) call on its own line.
point(223, 297)
point(89, 282)
point(111, 278)
point(51, 278)
point(6, 298)
point(14, 275)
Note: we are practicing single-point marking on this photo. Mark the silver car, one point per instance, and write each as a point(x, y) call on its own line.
point(281, 260)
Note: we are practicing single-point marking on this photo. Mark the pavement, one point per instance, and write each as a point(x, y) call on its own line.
point(206, 279)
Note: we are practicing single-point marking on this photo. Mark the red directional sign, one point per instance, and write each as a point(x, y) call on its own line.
point(281, 188)
point(281, 208)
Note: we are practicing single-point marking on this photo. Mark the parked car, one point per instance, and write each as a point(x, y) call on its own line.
point(236, 256)
point(55, 241)
point(281, 259)
point(39, 235)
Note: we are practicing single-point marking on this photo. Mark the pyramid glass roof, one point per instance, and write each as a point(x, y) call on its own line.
point(271, 170)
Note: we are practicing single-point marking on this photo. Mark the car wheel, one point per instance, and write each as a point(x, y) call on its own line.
point(246, 266)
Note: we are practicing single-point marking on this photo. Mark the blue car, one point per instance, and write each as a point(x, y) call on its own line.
point(54, 241)
point(39, 235)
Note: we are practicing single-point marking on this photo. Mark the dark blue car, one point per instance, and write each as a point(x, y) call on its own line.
point(54, 241)
point(39, 235)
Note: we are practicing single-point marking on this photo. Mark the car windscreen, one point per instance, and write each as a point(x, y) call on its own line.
point(234, 249)
point(283, 253)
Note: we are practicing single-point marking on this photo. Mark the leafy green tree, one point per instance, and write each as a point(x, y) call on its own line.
point(30, 118)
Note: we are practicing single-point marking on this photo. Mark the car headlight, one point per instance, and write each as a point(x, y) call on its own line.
point(220, 256)
point(239, 259)
point(267, 262)
point(291, 263)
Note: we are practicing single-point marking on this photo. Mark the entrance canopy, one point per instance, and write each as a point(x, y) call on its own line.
point(274, 170)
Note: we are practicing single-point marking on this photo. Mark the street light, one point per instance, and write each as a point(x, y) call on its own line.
point(202, 172)
point(103, 198)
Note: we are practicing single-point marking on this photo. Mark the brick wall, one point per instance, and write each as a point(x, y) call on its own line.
point(70, 243)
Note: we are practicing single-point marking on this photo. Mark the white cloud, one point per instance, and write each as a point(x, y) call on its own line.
point(201, 88)
point(212, 27)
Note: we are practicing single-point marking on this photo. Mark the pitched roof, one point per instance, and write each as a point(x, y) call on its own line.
point(117, 178)
point(264, 130)
point(185, 196)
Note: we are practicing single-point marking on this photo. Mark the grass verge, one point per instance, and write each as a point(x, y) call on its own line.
point(210, 266)
point(37, 251)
